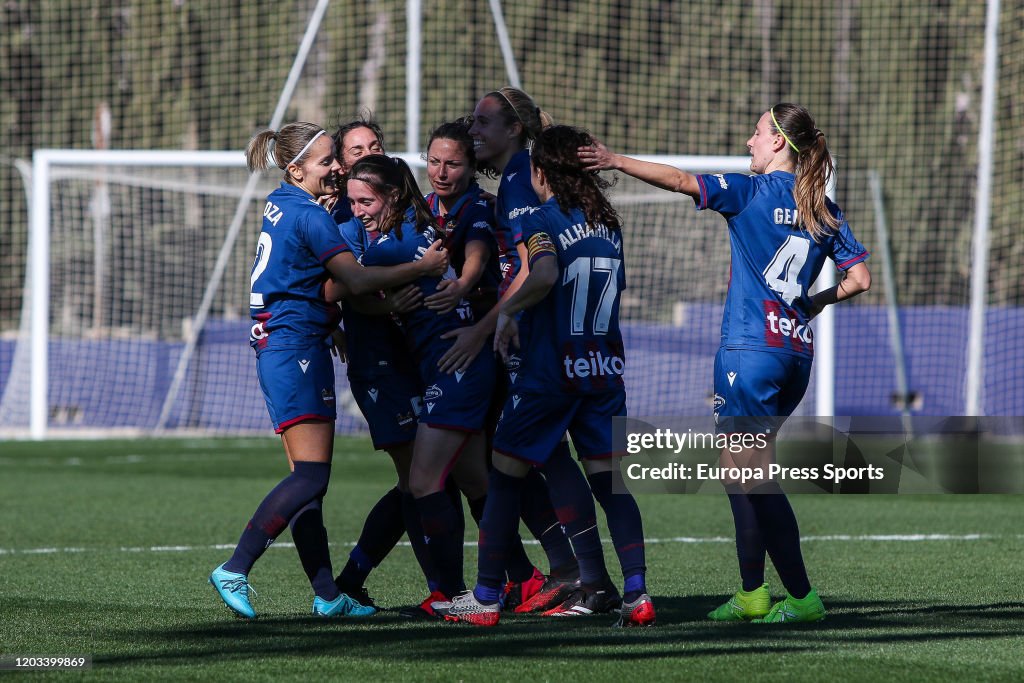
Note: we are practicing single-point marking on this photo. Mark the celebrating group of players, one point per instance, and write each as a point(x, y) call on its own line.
point(480, 332)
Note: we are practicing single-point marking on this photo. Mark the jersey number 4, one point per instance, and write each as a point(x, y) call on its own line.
point(579, 272)
point(783, 273)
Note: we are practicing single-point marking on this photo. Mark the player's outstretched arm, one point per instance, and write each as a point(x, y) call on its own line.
point(597, 157)
point(359, 280)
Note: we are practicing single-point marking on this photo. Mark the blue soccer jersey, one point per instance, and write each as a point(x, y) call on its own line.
point(774, 261)
point(570, 340)
point(471, 219)
point(516, 199)
point(374, 343)
point(422, 327)
point(286, 300)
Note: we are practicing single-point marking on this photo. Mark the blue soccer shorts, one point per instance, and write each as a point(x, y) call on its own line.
point(532, 424)
point(390, 403)
point(756, 390)
point(297, 384)
point(458, 401)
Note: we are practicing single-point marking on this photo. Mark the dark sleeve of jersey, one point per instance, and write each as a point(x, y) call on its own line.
point(479, 219)
point(321, 235)
point(846, 250)
point(353, 233)
point(726, 193)
point(518, 202)
point(537, 237)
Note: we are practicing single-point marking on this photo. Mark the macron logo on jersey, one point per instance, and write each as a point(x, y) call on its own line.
point(510, 176)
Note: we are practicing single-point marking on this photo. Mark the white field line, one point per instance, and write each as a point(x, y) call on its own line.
point(687, 540)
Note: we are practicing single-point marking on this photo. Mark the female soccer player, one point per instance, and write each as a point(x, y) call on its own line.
point(383, 381)
point(782, 227)
point(504, 123)
point(571, 380)
point(468, 221)
point(298, 252)
point(385, 197)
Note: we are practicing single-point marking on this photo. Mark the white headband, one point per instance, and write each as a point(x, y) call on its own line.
point(303, 150)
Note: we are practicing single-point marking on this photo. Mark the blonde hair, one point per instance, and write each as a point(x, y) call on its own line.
point(517, 106)
point(290, 146)
point(814, 167)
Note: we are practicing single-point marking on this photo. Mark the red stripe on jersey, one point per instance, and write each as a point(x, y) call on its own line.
point(703, 193)
point(852, 261)
point(326, 256)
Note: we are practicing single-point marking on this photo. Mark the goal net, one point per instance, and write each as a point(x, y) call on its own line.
point(900, 89)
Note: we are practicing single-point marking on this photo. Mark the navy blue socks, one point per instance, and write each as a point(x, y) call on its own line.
point(749, 542)
point(307, 483)
point(781, 537)
point(626, 529)
point(310, 538)
point(383, 528)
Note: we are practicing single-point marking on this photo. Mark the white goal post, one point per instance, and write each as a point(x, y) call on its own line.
point(32, 369)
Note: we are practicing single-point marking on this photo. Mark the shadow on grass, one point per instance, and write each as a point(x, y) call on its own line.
point(682, 632)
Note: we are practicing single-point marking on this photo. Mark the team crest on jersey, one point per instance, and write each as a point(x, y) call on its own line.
point(540, 243)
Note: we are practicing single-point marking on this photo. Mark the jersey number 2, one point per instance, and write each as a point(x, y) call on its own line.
point(783, 273)
point(263, 248)
point(580, 270)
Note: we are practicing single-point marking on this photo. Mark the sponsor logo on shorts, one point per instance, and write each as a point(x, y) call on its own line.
point(328, 396)
point(405, 419)
point(430, 397)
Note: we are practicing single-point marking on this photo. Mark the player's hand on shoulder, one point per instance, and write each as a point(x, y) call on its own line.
point(328, 201)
